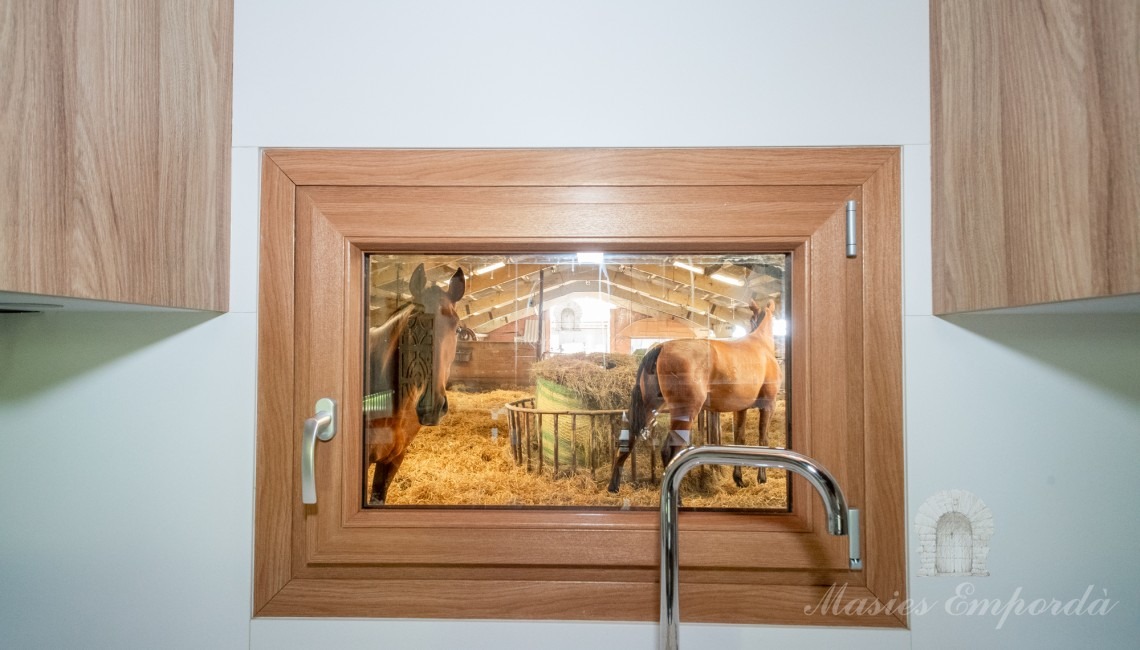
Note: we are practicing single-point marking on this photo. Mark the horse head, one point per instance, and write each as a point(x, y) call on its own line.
point(439, 318)
point(761, 321)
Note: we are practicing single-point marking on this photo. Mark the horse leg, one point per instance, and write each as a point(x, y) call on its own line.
point(767, 407)
point(379, 484)
point(393, 467)
point(382, 479)
point(680, 434)
point(738, 419)
point(625, 446)
point(643, 404)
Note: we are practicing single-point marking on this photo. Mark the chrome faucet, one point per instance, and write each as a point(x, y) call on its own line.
point(841, 520)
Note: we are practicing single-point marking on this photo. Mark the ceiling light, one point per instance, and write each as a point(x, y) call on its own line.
point(591, 258)
point(728, 279)
point(489, 268)
point(688, 267)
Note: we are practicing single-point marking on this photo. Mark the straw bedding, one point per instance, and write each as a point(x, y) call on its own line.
point(459, 463)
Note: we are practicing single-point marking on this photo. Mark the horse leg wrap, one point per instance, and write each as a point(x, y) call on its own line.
point(679, 437)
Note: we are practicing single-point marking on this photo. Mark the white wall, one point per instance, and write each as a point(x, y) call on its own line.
point(571, 74)
point(124, 475)
point(127, 467)
point(127, 470)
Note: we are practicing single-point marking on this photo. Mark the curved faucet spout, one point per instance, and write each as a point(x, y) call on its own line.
point(841, 520)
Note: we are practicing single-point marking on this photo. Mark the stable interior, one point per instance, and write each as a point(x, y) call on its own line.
point(546, 356)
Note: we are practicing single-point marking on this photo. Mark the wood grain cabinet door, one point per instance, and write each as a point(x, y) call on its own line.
point(324, 211)
point(1036, 152)
point(115, 150)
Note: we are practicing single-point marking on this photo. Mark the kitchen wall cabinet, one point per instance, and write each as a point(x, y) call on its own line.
point(1036, 151)
point(114, 163)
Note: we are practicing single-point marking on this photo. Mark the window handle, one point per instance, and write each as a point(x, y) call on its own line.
point(322, 425)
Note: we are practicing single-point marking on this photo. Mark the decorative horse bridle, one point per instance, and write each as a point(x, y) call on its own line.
point(414, 355)
point(416, 365)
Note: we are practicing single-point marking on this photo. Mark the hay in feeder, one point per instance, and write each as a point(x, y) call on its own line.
point(600, 381)
point(458, 463)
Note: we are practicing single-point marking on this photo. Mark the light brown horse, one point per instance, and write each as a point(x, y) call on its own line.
point(409, 361)
point(686, 375)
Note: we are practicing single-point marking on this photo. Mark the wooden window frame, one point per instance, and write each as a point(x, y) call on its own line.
point(324, 560)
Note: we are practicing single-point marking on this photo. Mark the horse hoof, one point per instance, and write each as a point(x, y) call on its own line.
point(612, 489)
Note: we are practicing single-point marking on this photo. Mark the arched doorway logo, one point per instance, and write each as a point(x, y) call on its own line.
point(954, 528)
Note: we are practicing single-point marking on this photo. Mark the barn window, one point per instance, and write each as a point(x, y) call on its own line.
point(436, 253)
point(567, 396)
point(569, 319)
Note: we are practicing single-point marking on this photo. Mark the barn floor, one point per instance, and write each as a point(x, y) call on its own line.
point(458, 463)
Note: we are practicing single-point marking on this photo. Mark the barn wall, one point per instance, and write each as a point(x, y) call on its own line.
point(492, 364)
point(507, 333)
point(128, 467)
point(620, 319)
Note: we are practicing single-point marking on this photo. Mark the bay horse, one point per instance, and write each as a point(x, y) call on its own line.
point(686, 375)
point(409, 361)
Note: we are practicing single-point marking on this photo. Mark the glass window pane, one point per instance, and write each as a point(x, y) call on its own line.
point(524, 380)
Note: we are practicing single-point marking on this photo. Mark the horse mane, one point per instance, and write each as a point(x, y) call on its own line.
point(383, 346)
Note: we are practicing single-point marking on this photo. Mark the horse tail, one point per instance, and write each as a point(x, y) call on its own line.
point(639, 402)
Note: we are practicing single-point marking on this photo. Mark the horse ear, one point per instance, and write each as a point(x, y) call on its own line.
point(753, 305)
point(418, 282)
point(457, 286)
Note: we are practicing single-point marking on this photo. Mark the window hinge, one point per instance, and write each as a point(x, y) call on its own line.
point(851, 212)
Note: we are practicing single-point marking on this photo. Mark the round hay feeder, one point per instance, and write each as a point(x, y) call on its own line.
point(574, 421)
point(562, 441)
point(562, 437)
